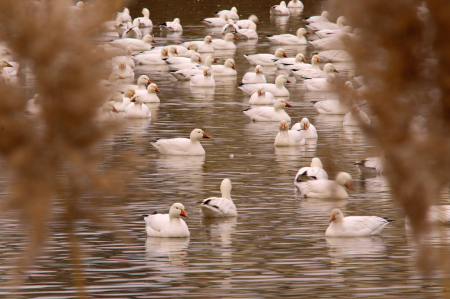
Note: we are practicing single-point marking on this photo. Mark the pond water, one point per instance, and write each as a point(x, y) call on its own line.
point(276, 246)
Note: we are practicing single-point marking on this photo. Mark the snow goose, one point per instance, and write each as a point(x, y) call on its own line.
point(356, 117)
point(136, 109)
point(275, 113)
point(256, 77)
point(335, 56)
point(126, 98)
point(119, 26)
point(149, 95)
point(283, 62)
point(4, 74)
point(280, 10)
point(314, 73)
point(218, 22)
point(290, 39)
point(133, 30)
point(314, 172)
point(354, 226)
point(309, 131)
point(249, 33)
point(333, 33)
point(261, 97)
point(265, 59)
point(227, 69)
point(340, 22)
point(106, 113)
point(135, 44)
point(334, 106)
point(145, 20)
point(154, 59)
point(224, 44)
point(220, 206)
point(125, 15)
point(243, 24)
point(231, 14)
point(187, 73)
point(123, 70)
point(326, 188)
point(321, 84)
point(330, 43)
point(127, 58)
point(167, 225)
point(278, 89)
point(190, 49)
point(173, 26)
point(290, 68)
point(373, 165)
point(205, 80)
point(204, 46)
point(322, 18)
point(177, 63)
point(229, 27)
point(142, 82)
point(117, 101)
point(295, 4)
point(288, 137)
point(182, 146)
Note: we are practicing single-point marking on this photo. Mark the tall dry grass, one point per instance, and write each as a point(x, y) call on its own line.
point(58, 46)
point(405, 60)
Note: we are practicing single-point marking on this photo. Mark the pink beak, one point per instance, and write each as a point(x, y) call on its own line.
point(205, 136)
point(288, 105)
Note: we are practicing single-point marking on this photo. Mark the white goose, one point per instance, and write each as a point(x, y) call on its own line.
point(295, 4)
point(261, 97)
point(334, 33)
point(123, 70)
point(288, 137)
point(125, 15)
point(229, 27)
point(330, 43)
point(280, 10)
point(117, 100)
point(308, 129)
point(154, 58)
point(290, 39)
point(132, 30)
point(248, 33)
point(204, 46)
point(224, 44)
point(256, 77)
point(142, 82)
point(33, 106)
point(4, 74)
point(315, 73)
point(227, 69)
point(187, 73)
point(283, 62)
point(182, 146)
point(190, 49)
point(322, 18)
point(126, 98)
point(220, 206)
point(178, 63)
point(334, 106)
point(340, 22)
point(149, 95)
point(106, 113)
point(167, 225)
point(127, 58)
point(217, 22)
point(205, 80)
point(231, 14)
point(278, 89)
point(326, 188)
point(356, 117)
point(136, 109)
point(145, 20)
point(335, 56)
point(173, 26)
point(321, 84)
point(243, 24)
point(135, 44)
point(304, 66)
point(275, 113)
point(266, 59)
point(354, 226)
point(314, 172)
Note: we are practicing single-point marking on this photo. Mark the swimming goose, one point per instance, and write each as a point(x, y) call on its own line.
point(182, 146)
point(309, 131)
point(136, 108)
point(315, 73)
point(284, 62)
point(227, 69)
point(132, 30)
point(205, 80)
point(106, 113)
point(356, 117)
point(243, 24)
point(326, 188)
point(127, 58)
point(126, 98)
point(167, 225)
point(295, 4)
point(334, 106)
point(117, 100)
point(154, 58)
point(187, 73)
point(135, 44)
point(335, 56)
point(149, 95)
point(275, 113)
point(145, 20)
point(248, 33)
point(256, 77)
point(220, 206)
point(290, 39)
point(288, 137)
point(261, 97)
point(340, 22)
point(142, 82)
point(204, 46)
point(277, 89)
point(333, 33)
point(322, 18)
point(291, 68)
point(229, 27)
point(190, 49)
point(354, 226)
point(321, 84)
point(125, 15)
point(330, 43)
point(4, 74)
point(173, 26)
point(280, 10)
point(266, 59)
point(178, 63)
point(314, 172)
point(231, 14)
point(220, 21)
point(224, 44)
point(373, 165)
point(123, 70)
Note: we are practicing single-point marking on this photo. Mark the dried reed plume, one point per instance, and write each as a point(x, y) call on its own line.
point(404, 57)
point(57, 46)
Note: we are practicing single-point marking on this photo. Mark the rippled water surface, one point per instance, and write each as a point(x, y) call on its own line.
point(276, 247)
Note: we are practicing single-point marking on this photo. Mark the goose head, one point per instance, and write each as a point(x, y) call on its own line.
point(230, 63)
point(260, 90)
point(300, 58)
point(229, 37)
point(315, 162)
point(196, 58)
point(348, 86)
point(109, 107)
point(283, 4)
point(80, 4)
point(281, 80)
point(284, 125)
point(280, 52)
point(328, 68)
point(117, 97)
point(152, 88)
point(229, 22)
point(148, 39)
point(234, 9)
point(301, 32)
point(325, 14)
point(347, 29)
point(129, 93)
point(145, 12)
point(355, 109)
point(126, 11)
point(165, 52)
point(122, 65)
point(281, 104)
point(173, 50)
point(208, 61)
point(225, 188)
point(143, 80)
point(336, 216)
point(304, 123)
point(177, 210)
point(137, 100)
point(193, 47)
point(258, 69)
point(344, 179)
point(252, 26)
point(315, 59)
point(176, 20)
point(198, 134)
point(341, 21)
point(136, 23)
point(5, 63)
point(208, 39)
point(207, 71)
point(253, 18)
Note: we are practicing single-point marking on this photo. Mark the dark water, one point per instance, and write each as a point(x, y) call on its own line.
point(276, 247)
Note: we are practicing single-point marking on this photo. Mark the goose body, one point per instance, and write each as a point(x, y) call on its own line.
point(136, 109)
point(149, 95)
point(244, 24)
point(331, 107)
point(288, 137)
point(145, 20)
point(167, 225)
point(203, 80)
point(354, 226)
point(314, 172)
point(265, 59)
point(277, 89)
point(262, 97)
point(227, 69)
point(173, 26)
point(280, 10)
point(256, 77)
point(220, 206)
point(224, 44)
point(290, 39)
point(327, 25)
point(217, 22)
point(326, 188)
point(132, 30)
point(322, 18)
point(308, 129)
point(153, 58)
point(335, 56)
point(106, 113)
point(321, 84)
point(230, 27)
point(283, 62)
point(230, 14)
point(275, 113)
point(123, 70)
point(178, 63)
point(331, 43)
point(315, 73)
point(292, 68)
point(135, 44)
point(127, 58)
point(182, 146)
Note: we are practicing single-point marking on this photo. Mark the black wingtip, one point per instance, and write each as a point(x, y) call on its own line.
point(154, 213)
point(145, 215)
point(314, 102)
point(240, 84)
point(388, 220)
point(158, 138)
point(246, 109)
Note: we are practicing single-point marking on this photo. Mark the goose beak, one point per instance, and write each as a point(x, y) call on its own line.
point(200, 59)
point(153, 40)
point(234, 37)
point(216, 59)
point(259, 93)
point(303, 59)
point(7, 64)
point(188, 47)
point(287, 81)
point(257, 71)
point(336, 70)
point(347, 185)
point(183, 213)
point(205, 72)
point(205, 136)
point(305, 126)
point(284, 54)
point(176, 52)
point(283, 126)
point(133, 100)
point(288, 105)
point(156, 89)
point(234, 67)
point(318, 59)
point(307, 32)
point(332, 218)
point(114, 110)
point(149, 82)
point(120, 77)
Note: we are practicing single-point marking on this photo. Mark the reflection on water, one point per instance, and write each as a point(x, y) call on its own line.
point(158, 250)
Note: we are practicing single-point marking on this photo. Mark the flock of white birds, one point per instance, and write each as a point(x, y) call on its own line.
point(193, 61)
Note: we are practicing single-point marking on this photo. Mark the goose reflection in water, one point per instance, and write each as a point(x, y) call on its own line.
point(157, 251)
